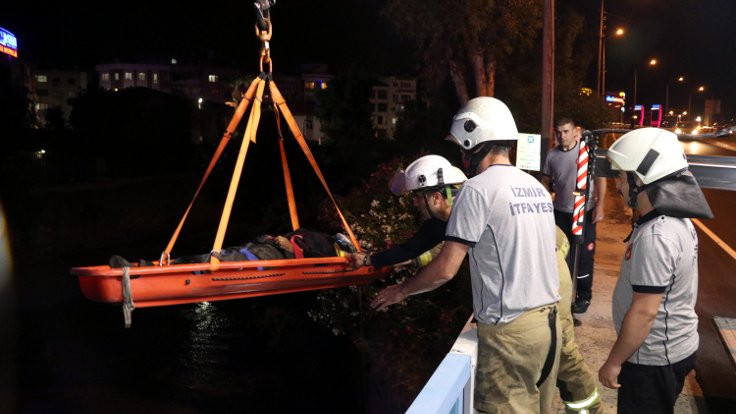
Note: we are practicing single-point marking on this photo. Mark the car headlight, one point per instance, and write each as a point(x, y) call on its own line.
point(695, 131)
point(678, 131)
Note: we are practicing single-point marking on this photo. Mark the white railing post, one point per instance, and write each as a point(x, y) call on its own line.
point(450, 389)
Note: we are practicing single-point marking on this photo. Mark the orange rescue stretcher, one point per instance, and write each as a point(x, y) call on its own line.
point(164, 283)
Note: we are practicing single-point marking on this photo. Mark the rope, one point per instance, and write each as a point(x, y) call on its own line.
point(128, 305)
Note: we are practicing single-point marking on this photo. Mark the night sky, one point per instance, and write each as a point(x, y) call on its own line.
point(690, 38)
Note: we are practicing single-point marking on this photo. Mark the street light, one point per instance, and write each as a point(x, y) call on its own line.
point(601, 78)
point(618, 33)
point(679, 79)
point(652, 62)
point(600, 52)
point(701, 88)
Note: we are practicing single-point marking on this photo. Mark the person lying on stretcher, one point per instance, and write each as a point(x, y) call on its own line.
point(298, 244)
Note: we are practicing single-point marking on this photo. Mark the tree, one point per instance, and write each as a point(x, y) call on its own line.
point(466, 40)
point(575, 49)
point(16, 113)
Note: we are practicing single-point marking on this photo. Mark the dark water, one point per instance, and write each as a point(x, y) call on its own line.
point(245, 356)
point(60, 353)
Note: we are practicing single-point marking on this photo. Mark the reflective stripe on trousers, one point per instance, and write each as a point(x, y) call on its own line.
point(583, 406)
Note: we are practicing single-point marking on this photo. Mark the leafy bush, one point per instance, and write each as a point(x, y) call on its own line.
point(402, 346)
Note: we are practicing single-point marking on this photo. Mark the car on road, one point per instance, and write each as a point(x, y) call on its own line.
point(687, 127)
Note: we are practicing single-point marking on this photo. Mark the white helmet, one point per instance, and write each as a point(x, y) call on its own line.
point(482, 119)
point(650, 153)
point(431, 171)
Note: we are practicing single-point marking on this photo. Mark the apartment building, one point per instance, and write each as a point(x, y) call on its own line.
point(388, 98)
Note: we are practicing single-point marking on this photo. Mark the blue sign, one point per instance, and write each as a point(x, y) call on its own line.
point(8, 43)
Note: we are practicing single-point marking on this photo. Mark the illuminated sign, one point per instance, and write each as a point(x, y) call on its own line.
point(8, 43)
point(656, 107)
point(586, 91)
point(616, 97)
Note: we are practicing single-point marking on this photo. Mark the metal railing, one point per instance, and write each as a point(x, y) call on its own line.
point(450, 388)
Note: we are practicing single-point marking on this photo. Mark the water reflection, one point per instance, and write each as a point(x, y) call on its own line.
point(205, 354)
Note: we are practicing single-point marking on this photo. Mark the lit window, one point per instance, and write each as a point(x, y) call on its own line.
point(212, 78)
point(310, 85)
point(106, 76)
point(141, 76)
point(128, 75)
point(173, 61)
point(42, 106)
point(393, 121)
point(155, 77)
point(41, 79)
point(324, 85)
point(117, 76)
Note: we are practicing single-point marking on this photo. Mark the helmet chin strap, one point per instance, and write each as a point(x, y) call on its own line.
point(426, 203)
point(634, 189)
point(472, 159)
point(448, 194)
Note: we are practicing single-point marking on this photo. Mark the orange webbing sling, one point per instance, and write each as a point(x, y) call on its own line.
point(287, 176)
point(234, 121)
point(278, 99)
point(255, 92)
point(250, 135)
